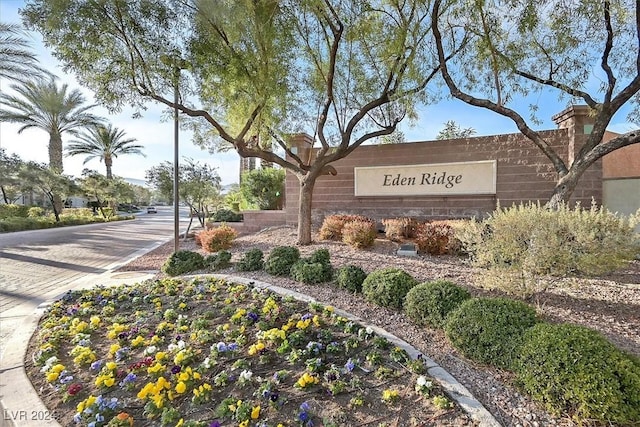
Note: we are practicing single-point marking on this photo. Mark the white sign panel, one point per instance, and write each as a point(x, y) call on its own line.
point(436, 179)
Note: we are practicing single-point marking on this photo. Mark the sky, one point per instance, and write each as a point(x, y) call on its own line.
point(157, 136)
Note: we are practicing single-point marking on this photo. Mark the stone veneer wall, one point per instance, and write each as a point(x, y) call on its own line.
point(523, 174)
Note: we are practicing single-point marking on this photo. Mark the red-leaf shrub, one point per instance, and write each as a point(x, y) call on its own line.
point(396, 229)
point(359, 234)
point(434, 238)
point(333, 224)
point(217, 239)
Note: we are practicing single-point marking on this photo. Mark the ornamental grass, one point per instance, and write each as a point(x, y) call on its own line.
point(206, 352)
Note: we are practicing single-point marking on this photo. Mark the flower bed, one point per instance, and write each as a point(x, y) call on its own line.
point(205, 352)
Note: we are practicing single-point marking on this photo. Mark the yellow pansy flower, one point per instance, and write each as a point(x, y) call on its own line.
point(181, 387)
point(255, 412)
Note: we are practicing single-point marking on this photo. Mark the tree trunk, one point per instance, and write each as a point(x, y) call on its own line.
point(52, 200)
point(186, 233)
point(55, 152)
point(108, 162)
point(565, 187)
point(307, 183)
point(55, 163)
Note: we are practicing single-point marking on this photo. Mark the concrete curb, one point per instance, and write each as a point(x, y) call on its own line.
point(452, 387)
point(23, 407)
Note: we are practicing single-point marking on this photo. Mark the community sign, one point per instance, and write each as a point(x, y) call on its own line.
point(436, 179)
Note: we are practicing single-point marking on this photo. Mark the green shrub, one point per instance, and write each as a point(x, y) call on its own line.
point(218, 261)
point(20, 224)
point(388, 287)
point(332, 225)
point(85, 213)
point(489, 330)
point(281, 259)
point(350, 277)
point(430, 303)
point(521, 245)
point(13, 211)
point(217, 238)
point(251, 260)
point(434, 238)
point(226, 215)
point(359, 234)
point(315, 269)
point(322, 256)
point(397, 229)
point(35, 212)
point(309, 272)
point(263, 187)
point(572, 368)
point(182, 262)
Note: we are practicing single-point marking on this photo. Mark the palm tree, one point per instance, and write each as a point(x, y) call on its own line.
point(44, 105)
point(17, 62)
point(104, 143)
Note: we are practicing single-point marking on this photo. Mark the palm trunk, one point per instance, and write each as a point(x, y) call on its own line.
point(108, 162)
point(55, 164)
point(55, 152)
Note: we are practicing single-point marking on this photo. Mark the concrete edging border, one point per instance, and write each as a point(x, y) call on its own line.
point(453, 388)
point(23, 395)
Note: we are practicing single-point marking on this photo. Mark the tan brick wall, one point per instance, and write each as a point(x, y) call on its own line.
point(622, 163)
point(523, 174)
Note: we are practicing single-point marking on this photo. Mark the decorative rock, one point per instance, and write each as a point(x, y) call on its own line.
point(408, 249)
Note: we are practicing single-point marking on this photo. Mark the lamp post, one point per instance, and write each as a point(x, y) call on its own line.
point(176, 64)
point(176, 174)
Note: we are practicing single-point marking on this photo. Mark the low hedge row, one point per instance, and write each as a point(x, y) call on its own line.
point(569, 369)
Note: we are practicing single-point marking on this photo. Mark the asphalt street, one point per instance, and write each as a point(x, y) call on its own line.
point(38, 266)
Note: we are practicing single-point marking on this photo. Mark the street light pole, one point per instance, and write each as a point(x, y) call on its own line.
point(176, 198)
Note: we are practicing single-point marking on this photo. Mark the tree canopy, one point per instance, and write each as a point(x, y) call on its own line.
point(17, 61)
point(10, 166)
point(586, 51)
point(104, 143)
point(452, 130)
point(199, 184)
point(251, 72)
point(44, 105)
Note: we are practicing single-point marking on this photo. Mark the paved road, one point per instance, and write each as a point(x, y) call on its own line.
point(36, 266)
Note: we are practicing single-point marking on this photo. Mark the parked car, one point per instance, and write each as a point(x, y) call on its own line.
point(151, 209)
point(126, 207)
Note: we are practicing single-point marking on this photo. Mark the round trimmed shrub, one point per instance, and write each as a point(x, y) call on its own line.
point(182, 262)
point(321, 255)
point(315, 269)
point(573, 368)
point(388, 287)
point(217, 238)
point(430, 303)
point(490, 330)
point(218, 261)
point(309, 272)
point(251, 260)
point(281, 259)
point(350, 277)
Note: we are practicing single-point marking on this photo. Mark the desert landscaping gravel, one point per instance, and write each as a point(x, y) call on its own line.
point(610, 304)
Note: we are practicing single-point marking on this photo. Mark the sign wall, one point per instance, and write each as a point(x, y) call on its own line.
point(436, 179)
